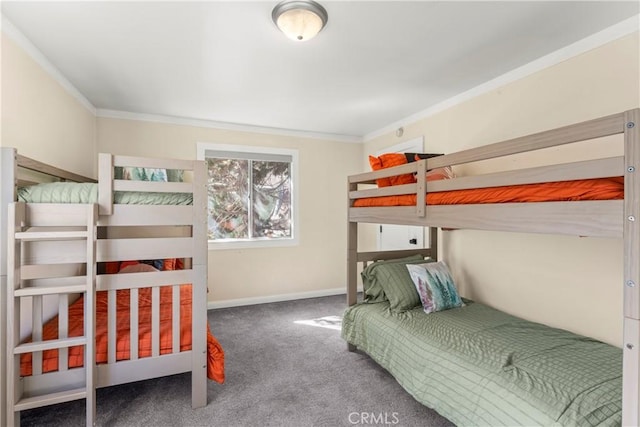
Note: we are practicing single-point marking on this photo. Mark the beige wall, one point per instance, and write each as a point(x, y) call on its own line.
point(40, 118)
point(318, 262)
point(569, 282)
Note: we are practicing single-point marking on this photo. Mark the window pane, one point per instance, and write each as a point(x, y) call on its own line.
point(271, 199)
point(228, 198)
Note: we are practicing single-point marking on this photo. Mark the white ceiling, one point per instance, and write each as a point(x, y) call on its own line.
point(374, 64)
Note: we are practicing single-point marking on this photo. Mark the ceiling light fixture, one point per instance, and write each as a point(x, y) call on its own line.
point(300, 20)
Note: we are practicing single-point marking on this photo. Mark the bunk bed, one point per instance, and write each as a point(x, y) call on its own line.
point(614, 212)
point(132, 321)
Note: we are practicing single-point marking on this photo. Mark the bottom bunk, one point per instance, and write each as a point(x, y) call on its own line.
point(122, 351)
point(478, 366)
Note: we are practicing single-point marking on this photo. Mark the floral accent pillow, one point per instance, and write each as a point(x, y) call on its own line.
point(435, 286)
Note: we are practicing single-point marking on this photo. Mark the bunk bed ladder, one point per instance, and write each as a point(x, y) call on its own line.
point(37, 278)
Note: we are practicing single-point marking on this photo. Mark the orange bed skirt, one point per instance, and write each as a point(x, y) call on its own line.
point(215, 353)
point(585, 189)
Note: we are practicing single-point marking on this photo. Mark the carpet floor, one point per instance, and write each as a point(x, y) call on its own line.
point(284, 367)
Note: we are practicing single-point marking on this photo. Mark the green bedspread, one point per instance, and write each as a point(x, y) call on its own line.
point(479, 366)
point(71, 192)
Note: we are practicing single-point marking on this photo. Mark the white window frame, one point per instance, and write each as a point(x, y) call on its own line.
point(204, 147)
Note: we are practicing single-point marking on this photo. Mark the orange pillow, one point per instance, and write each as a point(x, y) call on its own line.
point(169, 264)
point(112, 267)
point(388, 160)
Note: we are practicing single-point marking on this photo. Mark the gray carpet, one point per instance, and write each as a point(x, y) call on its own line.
point(279, 373)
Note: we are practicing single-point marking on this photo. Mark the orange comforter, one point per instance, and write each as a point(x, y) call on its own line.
point(586, 189)
point(215, 354)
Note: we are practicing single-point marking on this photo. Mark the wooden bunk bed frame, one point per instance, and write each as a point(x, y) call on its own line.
point(183, 235)
point(609, 218)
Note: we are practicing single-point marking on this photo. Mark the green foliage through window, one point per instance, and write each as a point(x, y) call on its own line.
point(249, 199)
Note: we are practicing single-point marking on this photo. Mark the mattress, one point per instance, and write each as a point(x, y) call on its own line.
point(586, 189)
point(479, 366)
point(71, 192)
point(215, 354)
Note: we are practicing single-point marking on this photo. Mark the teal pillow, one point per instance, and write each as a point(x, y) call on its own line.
point(434, 284)
point(398, 286)
point(371, 286)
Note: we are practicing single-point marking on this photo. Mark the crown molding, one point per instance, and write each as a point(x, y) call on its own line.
point(21, 40)
point(591, 42)
point(172, 120)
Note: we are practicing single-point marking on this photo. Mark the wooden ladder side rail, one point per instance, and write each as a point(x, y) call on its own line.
point(16, 402)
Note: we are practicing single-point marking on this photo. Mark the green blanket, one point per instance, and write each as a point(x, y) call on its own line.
point(71, 192)
point(479, 366)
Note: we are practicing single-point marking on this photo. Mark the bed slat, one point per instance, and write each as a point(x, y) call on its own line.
point(36, 333)
point(596, 128)
point(175, 318)
point(141, 215)
point(31, 272)
point(52, 252)
point(51, 381)
point(158, 248)
point(155, 321)
point(586, 218)
point(152, 186)
point(601, 168)
point(143, 280)
point(63, 330)
point(111, 327)
point(133, 324)
point(58, 285)
point(55, 215)
point(72, 252)
point(127, 371)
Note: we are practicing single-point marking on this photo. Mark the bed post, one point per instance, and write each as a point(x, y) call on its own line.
point(631, 336)
point(105, 182)
point(352, 258)
point(7, 195)
point(433, 243)
point(199, 288)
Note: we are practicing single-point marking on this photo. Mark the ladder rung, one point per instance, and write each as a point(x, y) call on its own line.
point(50, 235)
point(50, 399)
point(50, 290)
point(49, 345)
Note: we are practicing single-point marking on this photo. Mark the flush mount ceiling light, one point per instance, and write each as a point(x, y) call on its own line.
point(300, 20)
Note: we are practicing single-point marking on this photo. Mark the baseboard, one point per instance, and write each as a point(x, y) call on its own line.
point(275, 298)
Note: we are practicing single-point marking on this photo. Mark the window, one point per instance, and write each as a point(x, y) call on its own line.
point(251, 197)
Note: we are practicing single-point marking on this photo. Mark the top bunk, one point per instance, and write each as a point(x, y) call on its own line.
point(585, 198)
point(122, 180)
